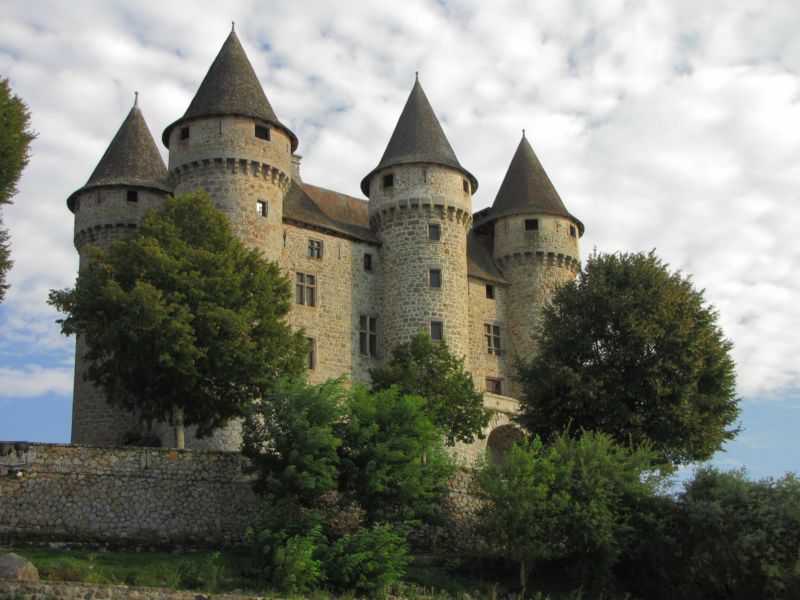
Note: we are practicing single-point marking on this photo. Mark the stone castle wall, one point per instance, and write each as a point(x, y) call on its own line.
point(131, 496)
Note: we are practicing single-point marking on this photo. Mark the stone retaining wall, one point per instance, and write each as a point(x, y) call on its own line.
point(125, 496)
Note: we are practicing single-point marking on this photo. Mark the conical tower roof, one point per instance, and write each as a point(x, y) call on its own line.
point(418, 138)
point(131, 160)
point(231, 88)
point(526, 189)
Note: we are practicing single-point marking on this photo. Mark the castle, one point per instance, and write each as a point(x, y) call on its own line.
point(367, 275)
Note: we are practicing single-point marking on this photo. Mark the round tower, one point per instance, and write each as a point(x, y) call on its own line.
point(231, 144)
point(420, 205)
point(535, 246)
point(129, 179)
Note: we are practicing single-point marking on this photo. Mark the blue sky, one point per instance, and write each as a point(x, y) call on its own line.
point(671, 126)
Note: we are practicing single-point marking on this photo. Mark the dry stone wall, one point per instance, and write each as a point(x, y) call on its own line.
point(141, 496)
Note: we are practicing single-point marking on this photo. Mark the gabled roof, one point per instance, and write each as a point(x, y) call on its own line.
point(131, 160)
point(418, 138)
point(231, 88)
point(526, 189)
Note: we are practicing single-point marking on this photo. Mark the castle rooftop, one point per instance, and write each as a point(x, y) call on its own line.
point(526, 189)
point(131, 160)
point(418, 138)
point(231, 88)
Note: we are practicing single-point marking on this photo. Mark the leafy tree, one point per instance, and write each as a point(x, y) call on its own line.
point(182, 320)
point(392, 459)
point(564, 504)
point(15, 139)
point(424, 368)
point(633, 350)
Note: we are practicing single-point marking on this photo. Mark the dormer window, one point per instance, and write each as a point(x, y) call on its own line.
point(531, 224)
point(262, 132)
point(388, 180)
point(184, 133)
point(133, 196)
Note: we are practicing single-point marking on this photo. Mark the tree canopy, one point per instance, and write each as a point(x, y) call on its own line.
point(633, 350)
point(182, 319)
point(15, 140)
point(428, 369)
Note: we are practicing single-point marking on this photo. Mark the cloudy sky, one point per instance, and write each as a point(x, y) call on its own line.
point(666, 125)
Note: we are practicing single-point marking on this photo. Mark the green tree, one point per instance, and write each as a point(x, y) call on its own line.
point(428, 369)
point(566, 504)
point(181, 320)
point(633, 350)
point(392, 458)
point(15, 139)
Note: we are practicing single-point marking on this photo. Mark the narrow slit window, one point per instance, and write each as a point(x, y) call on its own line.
point(435, 278)
point(184, 133)
point(490, 291)
point(262, 208)
point(531, 224)
point(311, 358)
point(466, 186)
point(367, 261)
point(572, 231)
point(437, 330)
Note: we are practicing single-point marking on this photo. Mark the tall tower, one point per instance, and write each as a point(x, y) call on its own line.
point(420, 205)
point(230, 143)
point(535, 246)
point(128, 180)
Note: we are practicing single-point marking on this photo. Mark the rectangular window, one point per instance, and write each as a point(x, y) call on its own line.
point(437, 330)
point(572, 231)
point(388, 180)
point(367, 261)
point(435, 278)
point(466, 186)
point(434, 232)
point(531, 224)
point(306, 289)
point(490, 291)
point(262, 132)
point(494, 386)
point(184, 133)
point(262, 208)
point(133, 196)
point(492, 334)
point(314, 248)
point(311, 359)
point(368, 336)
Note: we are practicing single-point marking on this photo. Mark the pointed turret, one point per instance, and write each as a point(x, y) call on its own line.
point(231, 88)
point(131, 160)
point(526, 189)
point(418, 138)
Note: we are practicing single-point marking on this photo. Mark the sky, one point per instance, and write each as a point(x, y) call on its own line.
point(672, 126)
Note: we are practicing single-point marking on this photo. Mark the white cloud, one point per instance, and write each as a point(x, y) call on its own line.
point(32, 380)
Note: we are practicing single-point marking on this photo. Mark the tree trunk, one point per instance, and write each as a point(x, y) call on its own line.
point(180, 438)
point(523, 578)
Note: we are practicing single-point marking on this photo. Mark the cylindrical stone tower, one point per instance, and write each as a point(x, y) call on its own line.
point(128, 180)
point(230, 143)
point(420, 205)
point(535, 246)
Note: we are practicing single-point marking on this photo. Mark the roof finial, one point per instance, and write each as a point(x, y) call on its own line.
point(523, 134)
point(416, 76)
point(135, 99)
point(233, 26)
